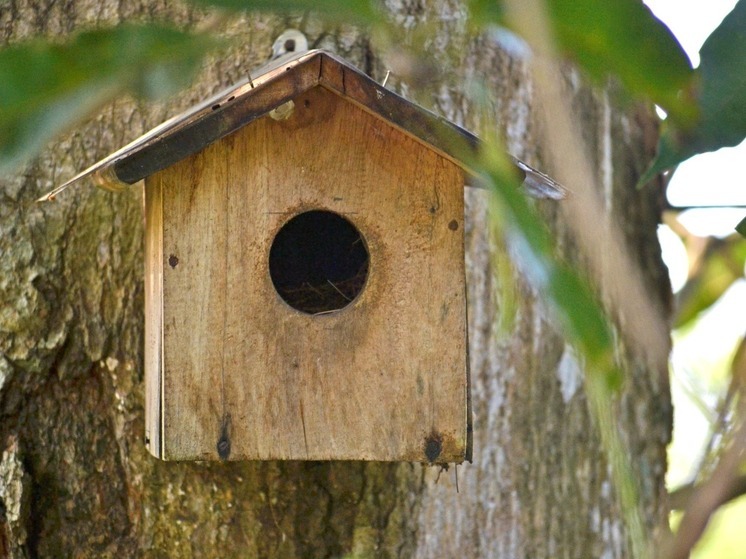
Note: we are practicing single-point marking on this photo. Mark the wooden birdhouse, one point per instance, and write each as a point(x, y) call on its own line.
point(305, 291)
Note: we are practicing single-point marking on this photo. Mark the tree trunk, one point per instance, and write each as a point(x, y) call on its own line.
point(75, 478)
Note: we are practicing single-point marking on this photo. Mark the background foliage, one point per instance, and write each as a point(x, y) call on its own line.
point(46, 87)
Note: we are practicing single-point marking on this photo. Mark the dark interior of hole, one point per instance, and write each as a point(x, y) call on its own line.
point(318, 262)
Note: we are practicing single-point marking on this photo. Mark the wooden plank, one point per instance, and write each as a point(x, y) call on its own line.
point(385, 378)
point(196, 234)
point(197, 131)
point(436, 132)
point(153, 313)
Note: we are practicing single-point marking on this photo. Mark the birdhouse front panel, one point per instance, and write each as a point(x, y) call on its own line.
point(306, 293)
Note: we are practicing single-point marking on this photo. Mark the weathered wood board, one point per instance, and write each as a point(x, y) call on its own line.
point(235, 372)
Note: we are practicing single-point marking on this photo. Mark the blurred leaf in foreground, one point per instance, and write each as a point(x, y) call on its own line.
point(486, 11)
point(714, 270)
point(625, 39)
point(621, 38)
point(348, 11)
point(720, 95)
point(741, 227)
point(579, 313)
point(46, 87)
point(524, 230)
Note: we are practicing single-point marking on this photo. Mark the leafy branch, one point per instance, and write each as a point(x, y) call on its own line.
point(47, 87)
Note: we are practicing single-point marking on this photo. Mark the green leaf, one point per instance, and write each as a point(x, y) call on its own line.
point(720, 96)
point(723, 83)
point(574, 302)
point(624, 38)
point(670, 153)
point(719, 267)
point(486, 11)
point(46, 87)
point(741, 227)
point(621, 38)
point(723, 92)
point(359, 11)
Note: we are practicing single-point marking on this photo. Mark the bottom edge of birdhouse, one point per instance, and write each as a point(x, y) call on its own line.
point(434, 449)
point(446, 461)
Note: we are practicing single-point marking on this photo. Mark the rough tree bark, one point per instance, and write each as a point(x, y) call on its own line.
point(75, 478)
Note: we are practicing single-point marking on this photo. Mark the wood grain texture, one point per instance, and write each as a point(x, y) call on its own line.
point(373, 381)
point(153, 312)
point(201, 126)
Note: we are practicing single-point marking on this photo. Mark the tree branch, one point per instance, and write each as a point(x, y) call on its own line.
point(680, 497)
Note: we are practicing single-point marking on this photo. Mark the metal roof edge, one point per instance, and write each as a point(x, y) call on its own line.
point(112, 174)
point(274, 85)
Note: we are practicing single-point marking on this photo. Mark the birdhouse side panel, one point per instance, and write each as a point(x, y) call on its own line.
point(197, 303)
point(153, 313)
point(248, 376)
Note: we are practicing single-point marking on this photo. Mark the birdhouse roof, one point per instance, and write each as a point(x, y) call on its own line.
point(273, 85)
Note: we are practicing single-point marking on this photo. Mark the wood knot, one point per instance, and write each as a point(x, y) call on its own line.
point(433, 446)
point(224, 442)
point(224, 447)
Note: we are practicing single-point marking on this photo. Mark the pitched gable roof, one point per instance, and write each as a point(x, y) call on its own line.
point(275, 84)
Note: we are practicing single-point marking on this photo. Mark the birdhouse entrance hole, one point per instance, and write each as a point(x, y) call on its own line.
point(318, 262)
